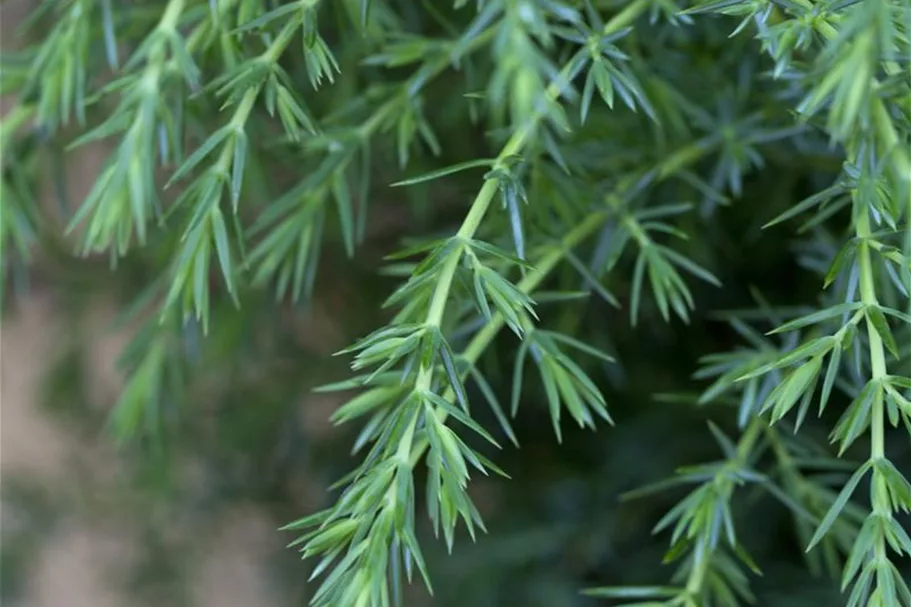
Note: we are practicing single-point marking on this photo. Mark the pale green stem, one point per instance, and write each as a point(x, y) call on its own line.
point(697, 573)
point(586, 228)
point(482, 201)
point(637, 232)
point(479, 208)
point(889, 143)
point(885, 129)
point(626, 17)
point(171, 15)
point(744, 448)
point(901, 165)
point(156, 60)
point(878, 369)
point(150, 87)
point(281, 41)
point(155, 63)
point(242, 113)
point(238, 121)
point(877, 351)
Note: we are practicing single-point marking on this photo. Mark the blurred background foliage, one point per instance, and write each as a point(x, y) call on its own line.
point(242, 425)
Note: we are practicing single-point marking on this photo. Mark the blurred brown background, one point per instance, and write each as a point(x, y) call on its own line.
point(70, 536)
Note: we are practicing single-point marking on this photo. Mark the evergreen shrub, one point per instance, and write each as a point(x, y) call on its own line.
point(684, 225)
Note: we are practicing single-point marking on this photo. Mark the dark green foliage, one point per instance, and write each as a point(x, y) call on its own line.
point(594, 176)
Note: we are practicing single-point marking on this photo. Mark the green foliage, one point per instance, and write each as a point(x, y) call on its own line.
point(616, 141)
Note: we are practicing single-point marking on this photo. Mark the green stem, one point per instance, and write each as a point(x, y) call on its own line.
point(586, 228)
point(878, 371)
point(889, 144)
point(637, 232)
point(901, 166)
point(748, 441)
point(472, 222)
point(626, 17)
point(701, 558)
point(155, 64)
point(781, 452)
point(470, 225)
point(482, 201)
point(444, 283)
point(281, 41)
point(239, 119)
point(171, 15)
point(167, 25)
point(877, 351)
point(513, 146)
point(271, 55)
point(156, 59)
point(482, 339)
point(697, 573)
point(885, 129)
